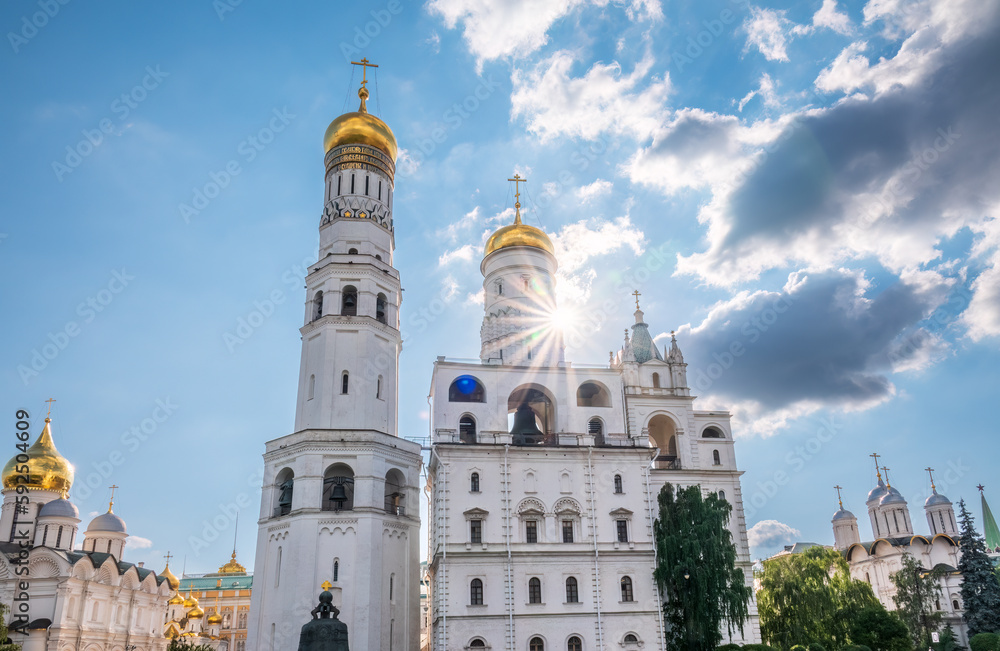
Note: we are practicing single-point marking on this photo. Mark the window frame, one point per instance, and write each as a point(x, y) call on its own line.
point(535, 590)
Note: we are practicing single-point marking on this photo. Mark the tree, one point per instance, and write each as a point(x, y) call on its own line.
point(980, 589)
point(696, 570)
point(916, 592)
point(948, 640)
point(810, 597)
point(879, 630)
point(5, 644)
point(177, 645)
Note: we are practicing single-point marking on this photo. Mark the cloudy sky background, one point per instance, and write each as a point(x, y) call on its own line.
point(806, 193)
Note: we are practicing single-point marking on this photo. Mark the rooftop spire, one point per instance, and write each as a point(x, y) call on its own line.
point(888, 484)
point(518, 180)
point(112, 502)
point(930, 471)
point(839, 498)
point(990, 529)
point(876, 455)
point(363, 91)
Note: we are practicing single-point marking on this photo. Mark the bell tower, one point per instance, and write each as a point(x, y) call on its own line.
point(340, 494)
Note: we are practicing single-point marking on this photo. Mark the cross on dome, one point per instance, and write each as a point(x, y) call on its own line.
point(839, 498)
point(518, 180)
point(637, 295)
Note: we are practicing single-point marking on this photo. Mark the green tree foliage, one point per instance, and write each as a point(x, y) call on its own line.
point(980, 589)
point(757, 647)
point(879, 630)
point(696, 570)
point(948, 641)
point(816, 646)
point(177, 645)
point(5, 645)
point(916, 592)
point(985, 642)
point(855, 647)
point(809, 597)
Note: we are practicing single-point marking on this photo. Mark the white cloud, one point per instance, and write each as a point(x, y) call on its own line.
point(464, 253)
point(577, 245)
point(983, 314)
point(138, 542)
point(767, 93)
point(460, 229)
point(829, 17)
point(765, 30)
point(588, 193)
point(555, 103)
point(771, 533)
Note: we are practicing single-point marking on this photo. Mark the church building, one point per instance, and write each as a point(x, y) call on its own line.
point(544, 474)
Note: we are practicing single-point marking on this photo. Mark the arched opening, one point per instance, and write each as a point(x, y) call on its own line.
point(344, 382)
point(574, 644)
point(500, 287)
point(395, 495)
point(338, 488)
point(380, 308)
point(318, 306)
point(378, 257)
point(663, 435)
point(474, 483)
point(476, 592)
point(285, 483)
point(336, 571)
point(656, 380)
point(954, 604)
point(722, 495)
point(467, 429)
point(352, 251)
point(466, 388)
point(477, 644)
point(593, 394)
point(349, 301)
point(536, 644)
point(572, 590)
point(534, 590)
point(618, 484)
point(626, 585)
point(595, 427)
point(531, 415)
point(312, 387)
point(630, 639)
point(712, 433)
point(716, 458)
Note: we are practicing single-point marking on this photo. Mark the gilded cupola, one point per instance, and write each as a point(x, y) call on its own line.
point(361, 127)
point(518, 233)
point(45, 469)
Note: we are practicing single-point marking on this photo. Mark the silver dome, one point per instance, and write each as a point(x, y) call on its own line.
point(877, 493)
point(107, 522)
point(60, 508)
point(892, 496)
point(843, 514)
point(936, 499)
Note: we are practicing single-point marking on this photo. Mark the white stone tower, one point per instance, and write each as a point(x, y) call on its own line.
point(845, 526)
point(940, 512)
point(339, 501)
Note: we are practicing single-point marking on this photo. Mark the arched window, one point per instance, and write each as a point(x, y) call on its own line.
point(466, 388)
point(58, 537)
point(500, 287)
point(656, 380)
point(395, 492)
point(336, 571)
point(378, 257)
point(318, 306)
point(467, 429)
point(277, 569)
point(618, 484)
point(572, 591)
point(592, 394)
point(477, 644)
point(352, 251)
point(630, 639)
point(574, 644)
point(474, 482)
point(380, 304)
point(534, 590)
point(45, 534)
point(868, 577)
point(312, 386)
point(476, 592)
point(531, 414)
point(349, 301)
point(338, 488)
point(344, 380)
point(937, 604)
point(954, 604)
point(536, 644)
point(716, 459)
point(378, 388)
point(712, 433)
point(626, 588)
point(663, 435)
point(595, 427)
point(284, 486)
point(722, 495)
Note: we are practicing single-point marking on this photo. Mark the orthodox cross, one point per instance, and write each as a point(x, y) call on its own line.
point(518, 180)
point(168, 557)
point(930, 471)
point(50, 401)
point(364, 63)
point(112, 502)
point(875, 455)
point(637, 295)
point(885, 469)
point(839, 499)
point(326, 585)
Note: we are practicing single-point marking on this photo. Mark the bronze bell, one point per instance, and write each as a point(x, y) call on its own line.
point(525, 431)
point(339, 494)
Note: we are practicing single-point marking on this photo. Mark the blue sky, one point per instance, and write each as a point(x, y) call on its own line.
point(811, 185)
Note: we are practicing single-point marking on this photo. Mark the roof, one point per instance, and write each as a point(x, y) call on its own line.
point(97, 559)
point(107, 522)
point(990, 528)
point(206, 583)
point(642, 343)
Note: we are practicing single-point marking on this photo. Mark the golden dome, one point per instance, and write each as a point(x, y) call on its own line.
point(171, 579)
point(360, 128)
point(232, 567)
point(196, 613)
point(176, 600)
point(213, 619)
point(47, 469)
point(518, 234)
point(191, 601)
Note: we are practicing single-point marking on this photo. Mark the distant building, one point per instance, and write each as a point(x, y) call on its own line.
point(223, 599)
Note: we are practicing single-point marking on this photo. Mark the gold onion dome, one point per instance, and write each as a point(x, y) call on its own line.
point(196, 613)
point(176, 600)
point(518, 234)
point(47, 470)
point(360, 128)
point(191, 601)
point(172, 580)
point(232, 567)
point(213, 619)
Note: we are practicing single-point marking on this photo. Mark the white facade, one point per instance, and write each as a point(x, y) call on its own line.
point(546, 536)
point(340, 494)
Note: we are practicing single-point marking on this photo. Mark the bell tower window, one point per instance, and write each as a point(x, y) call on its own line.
point(380, 305)
point(318, 306)
point(349, 301)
